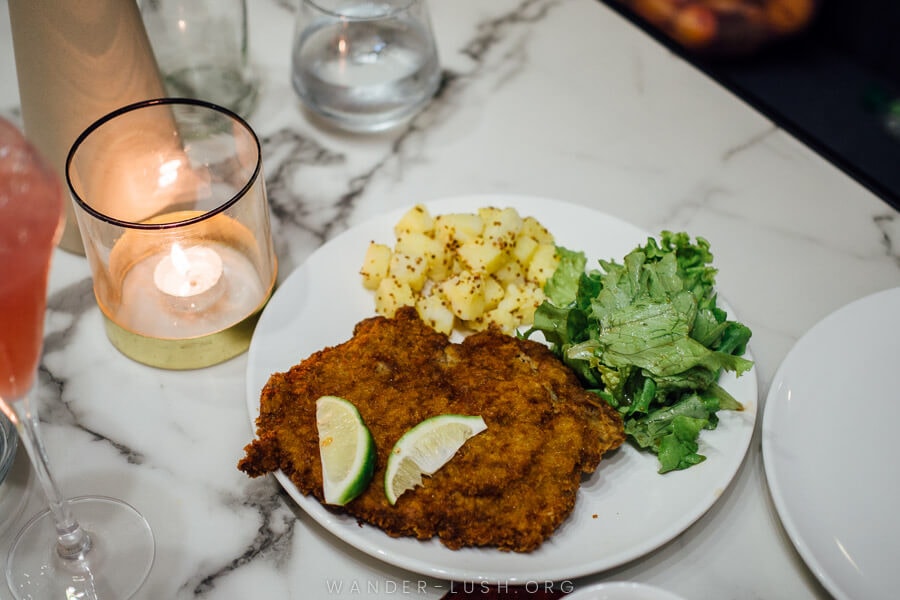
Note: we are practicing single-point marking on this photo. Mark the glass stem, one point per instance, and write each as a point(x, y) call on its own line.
point(73, 541)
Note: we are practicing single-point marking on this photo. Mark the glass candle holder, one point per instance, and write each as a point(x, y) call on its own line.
point(171, 204)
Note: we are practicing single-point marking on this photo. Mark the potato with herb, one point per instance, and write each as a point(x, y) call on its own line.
point(463, 270)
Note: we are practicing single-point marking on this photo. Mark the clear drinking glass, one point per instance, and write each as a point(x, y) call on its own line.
point(87, 547)
point(364, 65)
point(201, 47)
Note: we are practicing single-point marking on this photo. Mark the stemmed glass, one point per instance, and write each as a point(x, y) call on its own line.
point(107, 551)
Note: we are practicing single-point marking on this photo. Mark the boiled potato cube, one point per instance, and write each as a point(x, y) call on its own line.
point(502, 319)
point(493, 293)
point(391, 295)
point(543, 264)
point(511, 272)
point(524, 248)
point(488, 213)
point(457, 228)
point(419, 244)
point(518, 303)
point(527, 301)
point(440, 266)
point(465, 295)
point(375, 265)
point(503, 227)
point(408, 269)
point(415, 220)
point(512, 298)
point(482, 256)
point(533, 228)
point(434, 311)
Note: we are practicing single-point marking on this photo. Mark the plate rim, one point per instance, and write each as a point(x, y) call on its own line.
point(785, 512)
point(329, 521)
point(613, 588)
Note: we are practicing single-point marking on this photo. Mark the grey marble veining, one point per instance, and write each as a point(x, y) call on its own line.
point(554, 98)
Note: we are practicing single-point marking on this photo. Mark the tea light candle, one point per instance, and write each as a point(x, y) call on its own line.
point(191, 276)
point(187, 291)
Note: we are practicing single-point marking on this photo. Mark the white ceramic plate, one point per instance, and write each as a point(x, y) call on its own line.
point(621, 590)
point(623, 511)
point(829, 442)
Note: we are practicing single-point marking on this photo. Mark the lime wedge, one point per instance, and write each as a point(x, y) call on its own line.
point(346, 449)
point(426, 448)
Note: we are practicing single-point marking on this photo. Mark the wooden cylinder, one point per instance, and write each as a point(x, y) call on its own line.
point(77, 60)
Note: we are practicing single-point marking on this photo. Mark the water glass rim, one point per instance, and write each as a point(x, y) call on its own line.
point(251, 180)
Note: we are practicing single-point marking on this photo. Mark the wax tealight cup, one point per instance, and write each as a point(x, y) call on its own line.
point(171, 204)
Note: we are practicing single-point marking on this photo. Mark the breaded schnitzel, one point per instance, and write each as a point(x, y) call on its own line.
point(510, 486)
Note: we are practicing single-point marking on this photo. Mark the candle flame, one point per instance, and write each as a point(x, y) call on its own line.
point(187, 272)
point(179, 259)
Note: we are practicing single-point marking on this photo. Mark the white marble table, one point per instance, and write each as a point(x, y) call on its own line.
point(557, 98)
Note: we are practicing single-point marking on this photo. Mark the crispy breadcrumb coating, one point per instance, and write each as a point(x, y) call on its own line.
point(510, 486)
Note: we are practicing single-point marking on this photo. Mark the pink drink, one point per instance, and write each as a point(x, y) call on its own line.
point(31, 204)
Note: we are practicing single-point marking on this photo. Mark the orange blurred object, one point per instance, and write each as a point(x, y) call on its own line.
point(725, 27)
point(695, 26)
point(789, 16)
point(657, 12)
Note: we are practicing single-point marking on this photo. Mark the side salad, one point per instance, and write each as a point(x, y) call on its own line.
point(647, 336)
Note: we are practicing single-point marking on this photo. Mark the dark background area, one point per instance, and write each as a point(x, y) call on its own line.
point(832, 86)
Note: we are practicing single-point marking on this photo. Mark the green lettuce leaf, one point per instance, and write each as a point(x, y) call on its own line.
point(672, 432)
point(562, 287)
point(647, 336)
